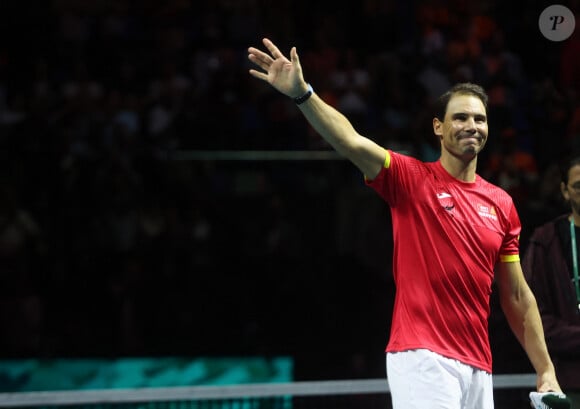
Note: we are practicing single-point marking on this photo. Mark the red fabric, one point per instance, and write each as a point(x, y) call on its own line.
point(448, 236)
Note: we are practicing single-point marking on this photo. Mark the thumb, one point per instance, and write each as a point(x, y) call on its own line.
point(294, 57)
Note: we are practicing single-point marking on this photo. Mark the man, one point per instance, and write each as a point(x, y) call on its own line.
point(451, 229)
point(551, 267)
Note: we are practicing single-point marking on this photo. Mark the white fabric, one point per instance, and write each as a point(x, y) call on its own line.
point(421, 379)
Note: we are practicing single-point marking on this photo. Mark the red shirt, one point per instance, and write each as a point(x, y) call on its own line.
point(448, 236)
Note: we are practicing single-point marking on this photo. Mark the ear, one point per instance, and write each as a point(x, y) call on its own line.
point(437, 127)
point(564, 190)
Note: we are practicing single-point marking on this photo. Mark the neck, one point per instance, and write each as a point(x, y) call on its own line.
point(459, 168)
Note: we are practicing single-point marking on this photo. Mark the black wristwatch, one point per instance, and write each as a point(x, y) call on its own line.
point(304, 98)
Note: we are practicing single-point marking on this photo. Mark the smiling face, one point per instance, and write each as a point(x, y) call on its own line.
point(463, 131)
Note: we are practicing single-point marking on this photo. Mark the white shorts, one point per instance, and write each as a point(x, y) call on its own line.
point(421, 379)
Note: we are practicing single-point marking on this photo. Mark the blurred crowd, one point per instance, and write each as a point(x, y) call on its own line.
point(109, 246)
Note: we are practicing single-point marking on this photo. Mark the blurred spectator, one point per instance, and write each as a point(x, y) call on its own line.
point(551, 267)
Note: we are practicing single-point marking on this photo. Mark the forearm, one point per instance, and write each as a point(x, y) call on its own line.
point(333, 126)
point(522, 313)
point(521, 310)
point(337, 130)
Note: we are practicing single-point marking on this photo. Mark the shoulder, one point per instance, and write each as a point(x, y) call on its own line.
point(403, 163)
point(487, 185)
point(495, 193)
point(404, 158)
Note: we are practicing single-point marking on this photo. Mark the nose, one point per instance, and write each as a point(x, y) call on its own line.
point(470, 124)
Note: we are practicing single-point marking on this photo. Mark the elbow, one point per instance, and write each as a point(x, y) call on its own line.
point(518, 301)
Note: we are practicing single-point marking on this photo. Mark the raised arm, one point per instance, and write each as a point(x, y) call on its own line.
point(286, 76)
point(521, 310)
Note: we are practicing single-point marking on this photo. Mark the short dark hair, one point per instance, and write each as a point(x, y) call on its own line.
point(567, 164)
point(464, 88)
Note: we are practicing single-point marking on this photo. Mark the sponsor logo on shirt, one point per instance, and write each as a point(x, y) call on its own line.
point(487, 211)
point(445, 199)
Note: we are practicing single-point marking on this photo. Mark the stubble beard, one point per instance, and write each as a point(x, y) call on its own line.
point(473, 149)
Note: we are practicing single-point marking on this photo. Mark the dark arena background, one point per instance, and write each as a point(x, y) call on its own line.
point(157, 201)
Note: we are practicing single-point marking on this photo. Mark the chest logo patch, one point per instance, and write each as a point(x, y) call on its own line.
point(446, 200)
point(487, 212)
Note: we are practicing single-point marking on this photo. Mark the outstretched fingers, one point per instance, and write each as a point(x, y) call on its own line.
point(259, 58)
point(258, 74)
point(262, 60)
point(276, 53)
point(265, 61)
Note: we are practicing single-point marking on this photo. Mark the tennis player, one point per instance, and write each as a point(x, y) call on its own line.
point(452, 231)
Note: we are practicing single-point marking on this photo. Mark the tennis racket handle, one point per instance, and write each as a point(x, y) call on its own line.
point(549, 400)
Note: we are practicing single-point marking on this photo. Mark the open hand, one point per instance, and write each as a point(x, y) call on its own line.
point(283, 74)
